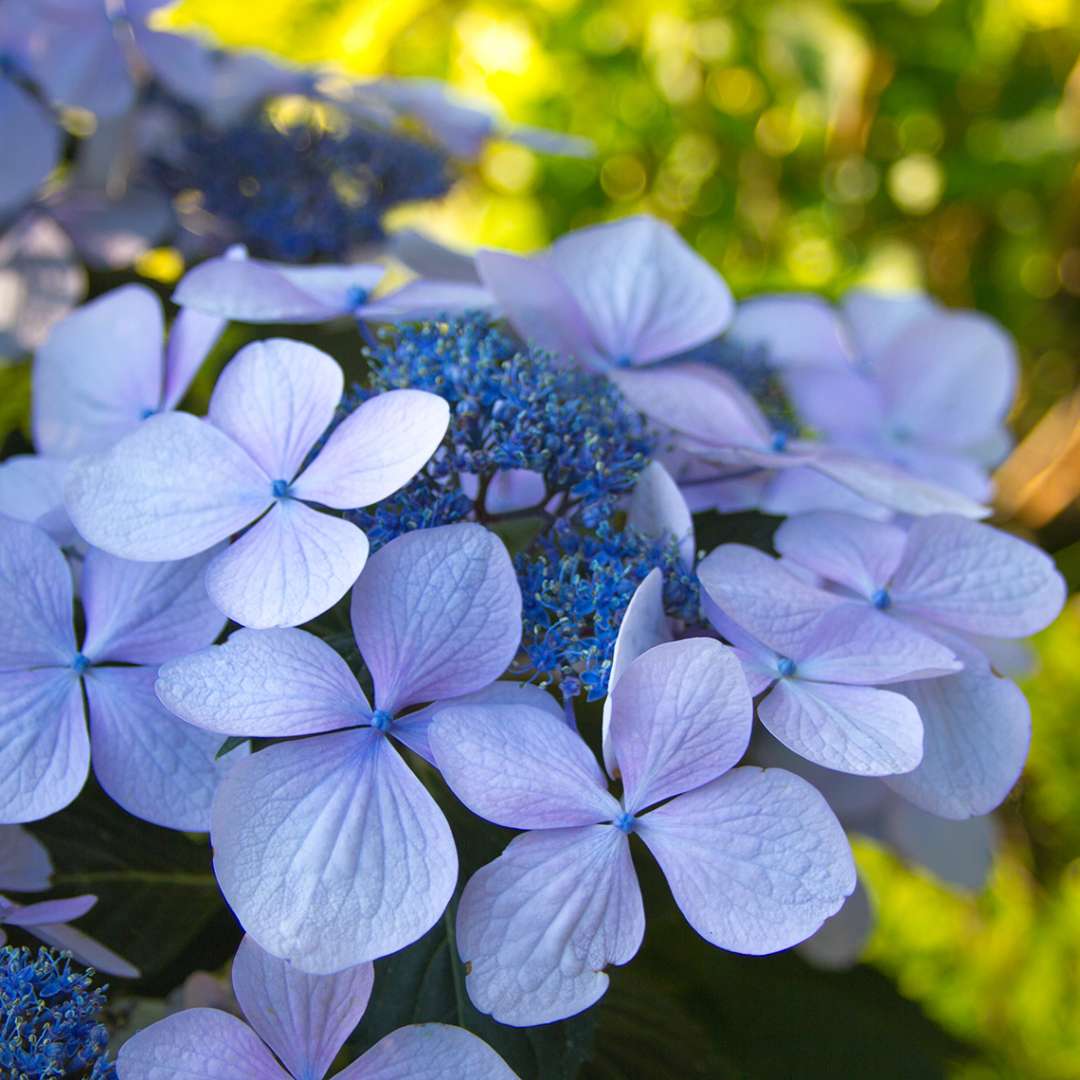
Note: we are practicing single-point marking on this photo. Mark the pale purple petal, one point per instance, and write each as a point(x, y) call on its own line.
point(520, 767)
point(25, 865)
point(79, 61)
point(644, 625)
point(789, 492)
point(842, 938)
point(32, 145)
point(264, 683)
point(429, 1052)
point(191, 337)
point(85, 949)
point(838, 404)
point(305, 1019)
point(972, 577)
point(861, 554)
point(32, 490)
point(44, 748)
point(172, 488)
point(35, 598)
point(50, 911)
point(182, 63)
point(336, 286)
point(294, 564)
point(756, 860)
point(437, 614)
point(976, 732)
point(154, 765)
point(426, 299)
point(853, 729)
point(146, 613)
point(197, 1044)
point(657, 296)
point(430, 259)
point(959, 852)
point(538, 926)
point(376, 450)
point(275, 398)
point(537, 303)
point(658, 510)
point(330, 851)
point(99, 374)
point(514, 489)
point(793, 330)
point(681, 715)
point(875, 318)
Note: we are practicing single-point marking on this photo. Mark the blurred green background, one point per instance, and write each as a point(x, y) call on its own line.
point(816, 145)
point(811, 145)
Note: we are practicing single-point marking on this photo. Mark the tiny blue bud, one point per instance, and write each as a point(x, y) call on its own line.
point(381, 720)
point(625, 822)
point(280, 488)
point(80, 663)
point(356, 297)
point(624, 360)
point(145, 414)
point(779, 441)
point(881, 600)
point(786, 667)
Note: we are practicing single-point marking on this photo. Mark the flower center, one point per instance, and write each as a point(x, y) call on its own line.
point(280, 489)
point(356, 297)
point(623, 360)
point(786, 666)
point(80, 663)
point(625, 822)
point(779, 442)
point(881, 600)
point(381, 720)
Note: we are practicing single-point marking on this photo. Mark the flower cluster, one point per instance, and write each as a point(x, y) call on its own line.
point(50, 1019)
point(509, 503)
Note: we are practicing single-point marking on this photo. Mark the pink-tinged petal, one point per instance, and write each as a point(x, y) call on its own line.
point(99, 374)
point(697, 402)
point(35, 597)
point(264, 683)
point(32, 490)
point(33, 145)
point(520, 767)
point(330, 851)
point(197, 1044)
point(25, 865)
point(842, 938)
point(537, 303)
point(376, 450)
point(892, 487)
point(44, 748)
point(292, 565)
point(948, 378)
point(85, 949)
point(172, 488)
point(853, 729)
point(976, 732)
point(855, 644)
point(681, 715)
point(658, 297)
point(658, 510)
point(975, 578)
point(154, 765)
point(50, 911)
point(42, 282)
point(763, 597)
point(875, 318)
point(793, 330)
point(275, 398)
point(429, 1052)
point(644, 625)
point(437, 614)
point(425, 299)
point(191, 337)
point(305, 1019)
point(537, 927)
point(756, 860)
point(838, 404)
point(959, 852)
point(414, 728)
point(146, 613)
point(849, 550)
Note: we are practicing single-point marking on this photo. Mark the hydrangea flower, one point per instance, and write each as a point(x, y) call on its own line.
point(25, 866)
point(896, 377)
point(104, 369)
point(50, 1019)
point(178, 485)
point(296, 1025)
point(821, 661)
point(755, 859)
point(257, 291)
point(654, 298)
point(946, 578)
point(32, 490)
point(137, 615)
point(35, 149)
point(327, 847)
point(711, 418)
